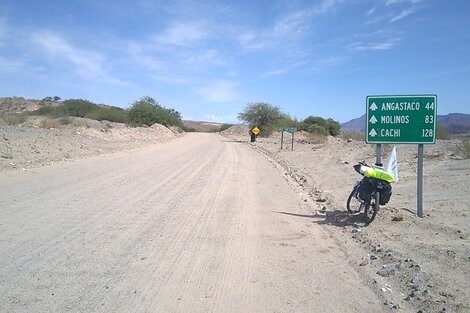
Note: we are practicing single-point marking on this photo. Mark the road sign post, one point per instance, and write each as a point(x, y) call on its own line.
point(402, 119)
point(254, 132)
point(291, 130)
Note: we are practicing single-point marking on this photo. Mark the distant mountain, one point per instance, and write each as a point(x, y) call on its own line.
point(357, 124)
point(204, 127)
point(455, 123)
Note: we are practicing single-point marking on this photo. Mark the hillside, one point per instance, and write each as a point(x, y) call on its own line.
point(455, 123)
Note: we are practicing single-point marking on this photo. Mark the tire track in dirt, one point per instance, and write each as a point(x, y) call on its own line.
point(188, 226)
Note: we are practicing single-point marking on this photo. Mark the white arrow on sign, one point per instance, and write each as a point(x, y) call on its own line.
point(373, 120)
point(373, 133)
point(373, 106)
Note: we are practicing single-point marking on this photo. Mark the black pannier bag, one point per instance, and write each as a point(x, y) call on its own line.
point(385, 191)
point(366, 188)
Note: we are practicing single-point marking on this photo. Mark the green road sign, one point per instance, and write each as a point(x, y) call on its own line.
point(288, 129)
point(401, 119)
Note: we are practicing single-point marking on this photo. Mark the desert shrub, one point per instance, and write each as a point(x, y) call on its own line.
point(84, 108)
point(442, 133)
point(64, 120)
point(51, 111)
point(463, 149)
point(188, 129)
point(354, 135)
point(316, 138)
point(225, 126)
point(48, 123)
point(147, 111)
point(79, 107)
point(320, 126)
point(108, 113)
point(71, 107)
point(15, 119)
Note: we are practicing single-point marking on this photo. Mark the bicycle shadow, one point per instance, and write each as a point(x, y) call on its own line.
point(337, 218)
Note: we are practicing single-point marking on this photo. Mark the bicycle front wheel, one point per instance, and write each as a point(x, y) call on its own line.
point(371, 208)
point(353, 205)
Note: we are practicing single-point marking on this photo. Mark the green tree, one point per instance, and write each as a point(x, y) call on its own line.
point(109, 113)
point(78, 107)
point(147, 111)
point(262, 115)
point(320, 126)
point(334, 128)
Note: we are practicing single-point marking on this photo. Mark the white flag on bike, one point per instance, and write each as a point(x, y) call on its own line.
point(392, 166)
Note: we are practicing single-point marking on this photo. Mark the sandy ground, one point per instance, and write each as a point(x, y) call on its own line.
point(428, 258)
point(42, 142)
point(205, 223)
point(198, 224)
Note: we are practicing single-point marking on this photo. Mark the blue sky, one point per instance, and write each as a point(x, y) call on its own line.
point(208, 59)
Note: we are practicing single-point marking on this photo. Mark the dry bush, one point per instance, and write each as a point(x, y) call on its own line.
point(48, 123)
point(353, 135)
point(15, 119)
point(315, 138)
point(463, 149)
point(64, 120)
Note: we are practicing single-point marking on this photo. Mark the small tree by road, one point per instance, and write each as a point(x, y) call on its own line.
point(147, 111)
point(262, 115)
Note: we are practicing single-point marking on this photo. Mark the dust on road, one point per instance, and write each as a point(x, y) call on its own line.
point(198, 224)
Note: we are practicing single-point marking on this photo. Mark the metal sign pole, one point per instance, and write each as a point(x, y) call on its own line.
point(378, 153)
point(292, 141)
point(378, 159)
point(282, 138)
point(420, 179)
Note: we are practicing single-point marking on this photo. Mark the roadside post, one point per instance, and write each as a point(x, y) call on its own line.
point(407, 119)
point(291, 130)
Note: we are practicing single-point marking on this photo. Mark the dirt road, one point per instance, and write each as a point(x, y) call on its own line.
point(198, 224)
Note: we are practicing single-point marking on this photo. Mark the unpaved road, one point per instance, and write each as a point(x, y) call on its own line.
point(198, 224)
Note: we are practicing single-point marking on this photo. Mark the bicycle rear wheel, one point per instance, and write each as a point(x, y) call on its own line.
point(371, 208)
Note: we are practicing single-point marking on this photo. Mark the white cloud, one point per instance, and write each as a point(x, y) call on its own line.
point(3, 30)
point(220, 91)
point(10, 65)
point(275, 73)
point(141, 58)
point(371, 11)
point(233, 73)
point(284, 32)
point(183, 34)
point(214, 118)
point(170, 79)
point(86, 63)
point(376, 46)
point(391, 2)
point(402, 15)
point(201, 60)
point(327, 5)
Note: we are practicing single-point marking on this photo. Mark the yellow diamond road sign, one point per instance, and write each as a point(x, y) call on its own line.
point(255, 130)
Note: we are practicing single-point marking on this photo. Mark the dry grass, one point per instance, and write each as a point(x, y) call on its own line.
point(315, 138)
point(352, 135)
point(463, 149)
point(15, 119)
point(48, 123)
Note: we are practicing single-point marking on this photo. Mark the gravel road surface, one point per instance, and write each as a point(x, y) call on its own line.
point(197, 224)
